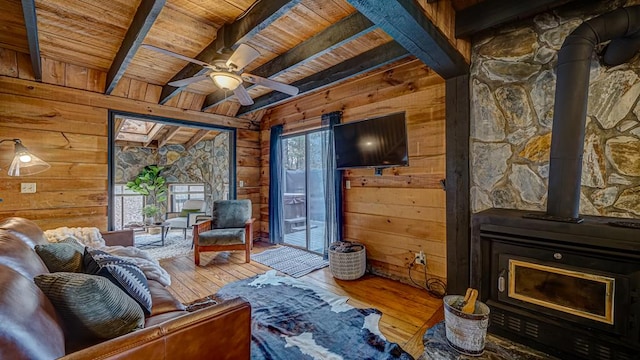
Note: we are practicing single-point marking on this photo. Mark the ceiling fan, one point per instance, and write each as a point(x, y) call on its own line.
point(228, 75)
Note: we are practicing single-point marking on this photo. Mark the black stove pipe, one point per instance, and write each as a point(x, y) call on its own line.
point(572, 90)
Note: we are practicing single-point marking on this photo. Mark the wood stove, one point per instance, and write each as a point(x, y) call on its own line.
point(568, 289)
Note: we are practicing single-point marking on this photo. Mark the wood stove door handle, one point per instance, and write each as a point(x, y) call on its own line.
point(502, 281)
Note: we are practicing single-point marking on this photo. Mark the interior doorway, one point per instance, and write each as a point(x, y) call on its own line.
point(304, 195)
point(197, 162)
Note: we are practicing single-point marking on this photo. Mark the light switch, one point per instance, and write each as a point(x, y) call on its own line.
point(347, 184)
point(241, 183)
point(27, 188)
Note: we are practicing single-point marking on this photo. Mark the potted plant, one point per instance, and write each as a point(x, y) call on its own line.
point(151, 184)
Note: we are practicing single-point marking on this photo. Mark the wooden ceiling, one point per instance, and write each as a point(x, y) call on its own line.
point(310, 44)
point(138, 132)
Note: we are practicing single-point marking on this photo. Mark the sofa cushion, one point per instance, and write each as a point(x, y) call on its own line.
point(121, 272)
point(163, 301)
point(91, 306)
point(30, 328)
point(19, 256)
point(25, 230)
point(65, 255)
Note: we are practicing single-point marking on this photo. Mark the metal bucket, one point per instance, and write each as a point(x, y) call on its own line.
point(466, 333)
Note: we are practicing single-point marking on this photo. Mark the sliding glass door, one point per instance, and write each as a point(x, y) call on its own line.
point(304, 200)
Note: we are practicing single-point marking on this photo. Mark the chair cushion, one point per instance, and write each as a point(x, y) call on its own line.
point(221, 237)
point(231, 213)
point(126, 275)
point(65, 255)
point(177, 222)
point(91, 306)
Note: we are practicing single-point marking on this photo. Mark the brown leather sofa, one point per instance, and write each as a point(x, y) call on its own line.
point(32, 330)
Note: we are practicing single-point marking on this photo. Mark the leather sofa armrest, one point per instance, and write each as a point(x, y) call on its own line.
point(118, 237)
point(222, 330)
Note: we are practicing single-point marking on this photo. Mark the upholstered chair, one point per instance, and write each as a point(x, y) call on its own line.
point(187, 217)
point(231, 228)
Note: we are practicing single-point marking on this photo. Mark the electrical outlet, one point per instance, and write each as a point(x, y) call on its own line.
point(27, 188)
point(420, 259)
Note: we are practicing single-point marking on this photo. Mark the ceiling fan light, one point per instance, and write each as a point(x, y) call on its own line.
point(225, 80)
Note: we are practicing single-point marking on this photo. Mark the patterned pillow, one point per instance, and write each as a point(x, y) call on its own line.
point(65, 255)
point(121, 272)
point(91, 306)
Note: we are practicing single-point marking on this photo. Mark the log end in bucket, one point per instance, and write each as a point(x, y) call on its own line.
point(466, 333)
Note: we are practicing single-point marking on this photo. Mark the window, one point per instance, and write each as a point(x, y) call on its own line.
point(127, 206)
point(179, 193)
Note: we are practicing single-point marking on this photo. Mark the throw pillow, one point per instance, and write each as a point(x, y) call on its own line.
point(186, 212)
point(91, 306)
point(65, 255)
point(121, 272)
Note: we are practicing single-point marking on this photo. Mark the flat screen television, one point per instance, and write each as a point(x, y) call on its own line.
point(376, 142)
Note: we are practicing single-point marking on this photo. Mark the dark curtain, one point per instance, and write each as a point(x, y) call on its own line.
point(333, 184)
point(275, 185)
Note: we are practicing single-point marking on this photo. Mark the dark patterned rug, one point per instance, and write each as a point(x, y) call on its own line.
point(295, 320)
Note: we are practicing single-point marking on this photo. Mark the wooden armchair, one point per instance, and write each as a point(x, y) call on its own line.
point(231, 228)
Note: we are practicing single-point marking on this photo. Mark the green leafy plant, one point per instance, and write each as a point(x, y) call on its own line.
point(153, 185)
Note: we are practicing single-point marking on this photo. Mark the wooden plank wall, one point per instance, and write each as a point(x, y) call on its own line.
point(403, 211)
point(68, 128)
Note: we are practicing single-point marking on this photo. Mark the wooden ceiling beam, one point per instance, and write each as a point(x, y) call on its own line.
point(145, 16)
point(340, 33)
point(132, 144)
point(491, 13)
point(31, 24)
point(407, 24)
point(152, 133)
point(172, 131)
point(263, 14)
point(196, 138)
point(365, 62)
point(118, 127)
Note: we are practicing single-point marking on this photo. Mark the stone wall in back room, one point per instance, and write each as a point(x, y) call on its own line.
point(206, 162)
point(513, 86)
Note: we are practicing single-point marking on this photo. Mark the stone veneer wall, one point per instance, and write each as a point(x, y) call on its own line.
point(206, 162)
point(513, 87)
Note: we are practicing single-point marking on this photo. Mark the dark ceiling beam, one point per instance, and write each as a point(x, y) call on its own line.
point(263, 14)
point(196, 138)
point(491, 13)
point(31, 24)
point(145, 16)
point(338, 34)
point(406, 23)
point(365, 62)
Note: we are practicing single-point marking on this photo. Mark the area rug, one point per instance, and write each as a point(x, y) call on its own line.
point(291, 261)
point(295, 320)
point(174, 245)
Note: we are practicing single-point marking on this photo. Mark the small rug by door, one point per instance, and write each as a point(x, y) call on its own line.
point(291, 261)
point(291, 319)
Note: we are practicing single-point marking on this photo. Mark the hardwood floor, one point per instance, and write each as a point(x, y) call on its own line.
point(407, 311)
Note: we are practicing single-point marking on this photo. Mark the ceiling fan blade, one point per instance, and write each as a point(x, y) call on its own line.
point(243, 96)
point(240, 58)
point(187, 81)
point(275, 85)
point(171, 53)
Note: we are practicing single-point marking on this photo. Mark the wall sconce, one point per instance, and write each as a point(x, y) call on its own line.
point(25, 163)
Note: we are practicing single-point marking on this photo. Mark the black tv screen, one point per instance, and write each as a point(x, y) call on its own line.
point(375, 142)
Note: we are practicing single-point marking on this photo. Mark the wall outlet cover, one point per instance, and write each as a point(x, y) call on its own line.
point(27, 188)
